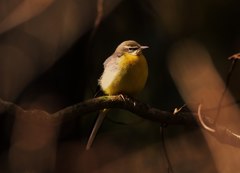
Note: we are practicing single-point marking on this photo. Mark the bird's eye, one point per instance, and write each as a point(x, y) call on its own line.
point(132, 49)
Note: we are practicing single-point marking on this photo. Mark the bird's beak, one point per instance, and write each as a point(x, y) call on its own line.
point(144, 47)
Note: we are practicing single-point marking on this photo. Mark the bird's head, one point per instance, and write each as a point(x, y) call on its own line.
point(130, 47)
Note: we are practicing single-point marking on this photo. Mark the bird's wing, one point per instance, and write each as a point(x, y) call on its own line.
point(110, 62)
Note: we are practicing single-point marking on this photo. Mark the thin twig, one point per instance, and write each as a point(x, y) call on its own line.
point(98, 18)
point(169, 164)
point(227, 83)
point(221, 133)
point(202, 122)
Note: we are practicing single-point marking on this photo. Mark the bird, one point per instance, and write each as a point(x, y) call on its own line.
point(125, 72)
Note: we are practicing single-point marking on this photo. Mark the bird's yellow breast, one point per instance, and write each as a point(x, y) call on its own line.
point(129, 78)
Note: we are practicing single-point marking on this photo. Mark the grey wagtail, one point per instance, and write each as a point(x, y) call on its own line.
point(125, 72)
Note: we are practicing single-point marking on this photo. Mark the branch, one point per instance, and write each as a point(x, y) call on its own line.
point(131, 104)
point(234, 59)
point(128, 103)
point(222, 134)
point(9, 107)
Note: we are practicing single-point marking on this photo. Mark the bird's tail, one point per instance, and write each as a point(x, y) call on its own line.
point(97, 125)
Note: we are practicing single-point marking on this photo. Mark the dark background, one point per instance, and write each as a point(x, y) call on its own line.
point(135, 145)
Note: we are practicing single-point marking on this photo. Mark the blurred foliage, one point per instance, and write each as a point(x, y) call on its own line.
point(136, 145)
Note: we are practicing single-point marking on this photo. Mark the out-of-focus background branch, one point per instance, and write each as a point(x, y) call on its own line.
point(48, 63)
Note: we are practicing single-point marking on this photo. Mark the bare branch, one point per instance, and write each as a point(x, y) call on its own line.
point(235, 56)
point(98, 19)
point(221, 133)
point(9, 107)
point(234, 59)
point(202, 122)
point(131, 104)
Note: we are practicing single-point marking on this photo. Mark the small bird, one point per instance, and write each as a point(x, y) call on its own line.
point(125, 72)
